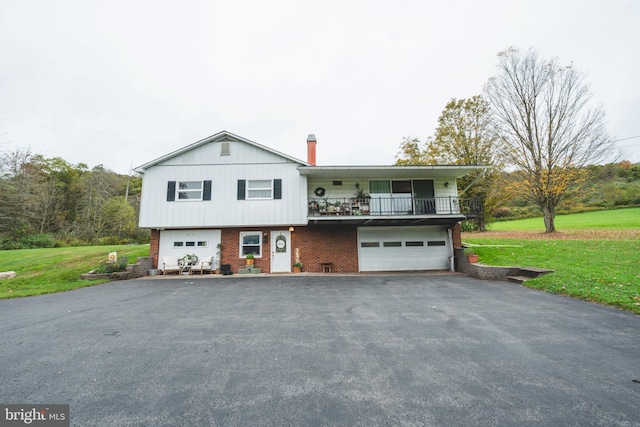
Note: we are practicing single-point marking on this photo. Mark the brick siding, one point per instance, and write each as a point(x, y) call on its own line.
point(154, 247)
point(334, 244)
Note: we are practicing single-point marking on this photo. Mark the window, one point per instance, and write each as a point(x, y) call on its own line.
point(191, 244)
point(392, 244)
point(370, 244)
point(380, 187)
point(414, 244)
point(436, 243)
point(251, 243)
point(178, 244)
point(202, 244)
point(188, 191)
point(259, 189)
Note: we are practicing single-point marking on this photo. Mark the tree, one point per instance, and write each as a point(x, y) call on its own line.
point(464, 136)
point(548, 128)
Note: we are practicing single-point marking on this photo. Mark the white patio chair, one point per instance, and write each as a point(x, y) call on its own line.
point(205, 264)
point(170, 264)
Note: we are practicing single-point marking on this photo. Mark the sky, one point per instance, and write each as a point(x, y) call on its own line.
point(121, 83)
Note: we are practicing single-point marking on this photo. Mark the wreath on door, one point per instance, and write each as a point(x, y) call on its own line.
point(319, 191)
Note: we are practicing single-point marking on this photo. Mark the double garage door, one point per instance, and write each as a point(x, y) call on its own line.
point(403, 248)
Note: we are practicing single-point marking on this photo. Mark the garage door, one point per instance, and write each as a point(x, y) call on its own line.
point(403, 248)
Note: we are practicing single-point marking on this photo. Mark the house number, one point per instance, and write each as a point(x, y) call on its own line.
point(281, 244)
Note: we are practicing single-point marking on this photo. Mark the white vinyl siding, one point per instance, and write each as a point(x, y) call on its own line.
point(225, 210)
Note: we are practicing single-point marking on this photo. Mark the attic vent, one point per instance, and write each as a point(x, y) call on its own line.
point(224, 149)
point(337, 182)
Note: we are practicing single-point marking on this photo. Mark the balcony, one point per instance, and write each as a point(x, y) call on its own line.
point(391, 209)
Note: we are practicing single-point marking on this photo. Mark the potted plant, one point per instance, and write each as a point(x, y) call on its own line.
point(218, 259)
point(472, 256)
point(250, 259)
point(297, 267)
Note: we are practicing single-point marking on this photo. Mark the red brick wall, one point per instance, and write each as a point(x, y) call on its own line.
point(335, 244)
point(154, 248)
point(327, 243)
point(457, 237)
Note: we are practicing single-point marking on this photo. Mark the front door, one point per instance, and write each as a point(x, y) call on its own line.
point(281, 251)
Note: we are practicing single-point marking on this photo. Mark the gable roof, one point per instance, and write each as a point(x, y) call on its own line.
point(220, 136)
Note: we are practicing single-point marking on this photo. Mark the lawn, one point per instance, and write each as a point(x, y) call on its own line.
point(613, 219)
point(595, 255)
point(43, 271)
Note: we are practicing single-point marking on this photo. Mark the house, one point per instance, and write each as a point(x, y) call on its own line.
point(227, 196)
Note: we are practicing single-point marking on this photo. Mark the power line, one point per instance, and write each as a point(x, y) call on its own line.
point(624, 139)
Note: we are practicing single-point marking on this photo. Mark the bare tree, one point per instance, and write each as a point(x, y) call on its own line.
point(548, 127)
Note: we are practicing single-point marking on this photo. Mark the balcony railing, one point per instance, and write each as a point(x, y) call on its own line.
point(394, 206)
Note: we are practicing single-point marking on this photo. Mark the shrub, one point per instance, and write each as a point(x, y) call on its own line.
point(467, 226)
point(502, 212)
point(112, 267)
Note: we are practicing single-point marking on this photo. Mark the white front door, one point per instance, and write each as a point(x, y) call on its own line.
point(281, 251)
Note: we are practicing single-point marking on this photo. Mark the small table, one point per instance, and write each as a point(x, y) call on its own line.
point(185, 268)
point(327, 267)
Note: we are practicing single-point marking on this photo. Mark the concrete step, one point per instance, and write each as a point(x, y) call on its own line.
point(518, 279)
point(532, 272)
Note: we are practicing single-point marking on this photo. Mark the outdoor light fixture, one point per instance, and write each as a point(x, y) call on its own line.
point(291, 228)
point(446, 184)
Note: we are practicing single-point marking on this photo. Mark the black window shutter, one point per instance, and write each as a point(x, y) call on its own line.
point(171, 191)
point(206, 191)
point(242, 185)
point(277, 189)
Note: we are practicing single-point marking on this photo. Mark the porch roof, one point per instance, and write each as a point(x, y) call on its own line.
point(389, 172)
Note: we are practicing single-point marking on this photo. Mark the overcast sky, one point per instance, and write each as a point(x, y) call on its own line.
point(121, 83)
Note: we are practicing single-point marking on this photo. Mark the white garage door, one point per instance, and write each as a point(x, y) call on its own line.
point(403, 248)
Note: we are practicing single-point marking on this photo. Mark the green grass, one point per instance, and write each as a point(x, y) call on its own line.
point(613, 219)
point(602, 271)
point(44, 271)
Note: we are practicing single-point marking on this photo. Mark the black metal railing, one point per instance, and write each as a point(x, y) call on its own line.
point(394, 206)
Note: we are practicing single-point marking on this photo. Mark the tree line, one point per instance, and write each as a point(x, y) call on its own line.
point(48, 202)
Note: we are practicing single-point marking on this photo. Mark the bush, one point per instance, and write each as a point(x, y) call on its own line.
point(112, 267)
point(467, 227)
point(502, 212)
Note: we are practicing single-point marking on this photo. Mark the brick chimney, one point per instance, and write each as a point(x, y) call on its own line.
point(311, 149)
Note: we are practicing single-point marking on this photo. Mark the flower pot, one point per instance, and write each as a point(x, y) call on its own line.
point(296, 269)
point(250, 261)
point(472, 258)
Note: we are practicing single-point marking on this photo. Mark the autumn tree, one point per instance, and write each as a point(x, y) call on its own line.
point(548, 128)
point(464, 136)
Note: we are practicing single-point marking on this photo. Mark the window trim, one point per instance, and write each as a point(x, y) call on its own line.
point(241, 245)
point(174, 191)
point(249, 189)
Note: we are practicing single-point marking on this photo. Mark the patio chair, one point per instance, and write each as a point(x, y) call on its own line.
point(205, 264)
point(170, 264)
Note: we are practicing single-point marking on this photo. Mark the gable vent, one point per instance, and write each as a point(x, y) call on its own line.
point(224, 149)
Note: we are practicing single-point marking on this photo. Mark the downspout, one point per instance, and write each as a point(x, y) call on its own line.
point(451, 253)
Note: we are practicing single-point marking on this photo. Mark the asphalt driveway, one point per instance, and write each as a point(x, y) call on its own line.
point(441, 350)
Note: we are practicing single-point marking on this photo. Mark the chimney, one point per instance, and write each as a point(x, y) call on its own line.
point(311, 149)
